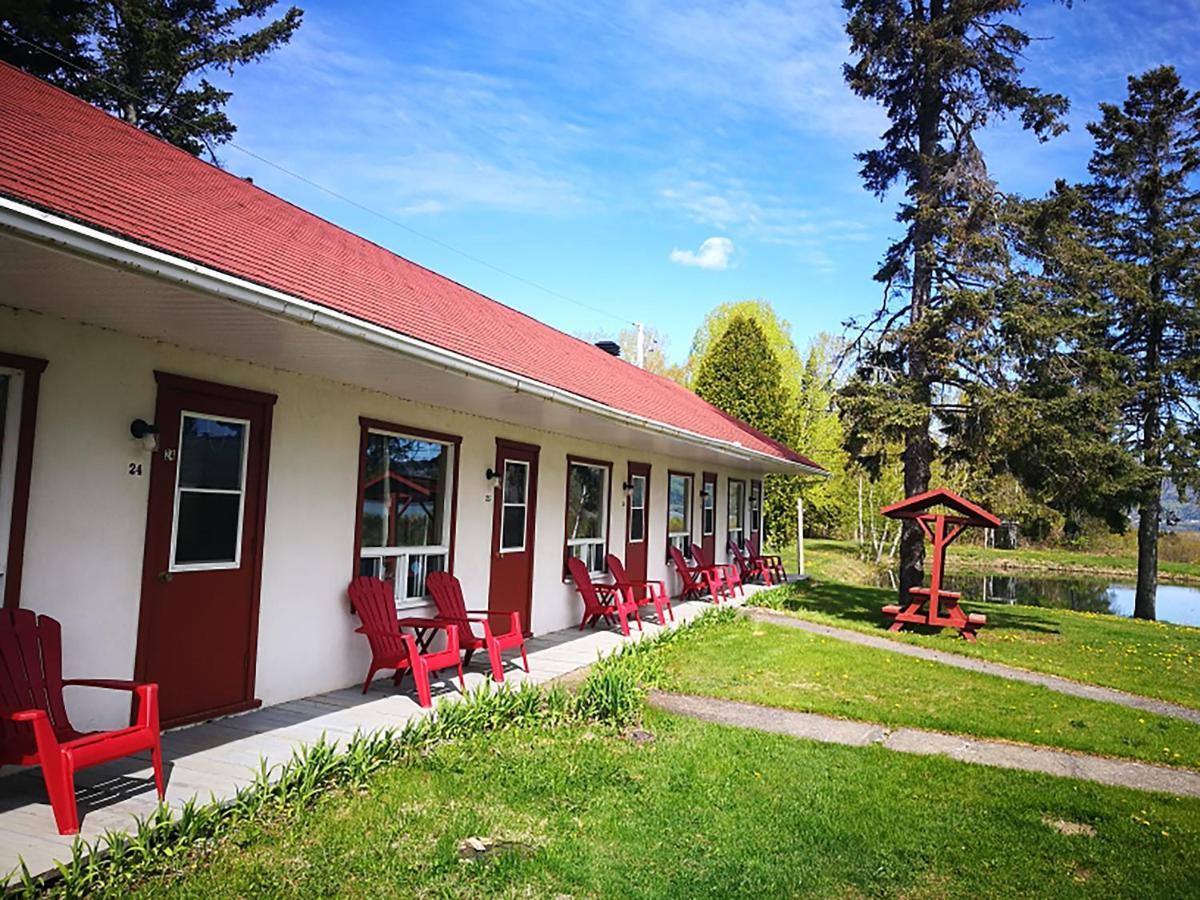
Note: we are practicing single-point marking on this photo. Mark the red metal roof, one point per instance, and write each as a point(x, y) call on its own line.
point(61, 154)
point(912, 507)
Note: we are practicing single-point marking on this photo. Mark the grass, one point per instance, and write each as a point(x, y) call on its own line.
point(1149, 658)
point(703, 811)
point(782, 667)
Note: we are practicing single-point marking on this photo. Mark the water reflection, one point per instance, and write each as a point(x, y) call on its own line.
point(1176, 603)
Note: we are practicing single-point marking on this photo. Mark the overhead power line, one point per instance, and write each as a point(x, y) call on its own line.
point(304, 179)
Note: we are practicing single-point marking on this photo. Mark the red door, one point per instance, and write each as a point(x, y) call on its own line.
point(513, 519)
point(198, 627)
point(637, 521)
point(708, 517)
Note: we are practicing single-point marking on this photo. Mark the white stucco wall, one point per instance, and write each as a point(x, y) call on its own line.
point(86, 524)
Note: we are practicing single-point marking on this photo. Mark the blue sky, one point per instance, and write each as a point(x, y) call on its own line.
point(649, 160)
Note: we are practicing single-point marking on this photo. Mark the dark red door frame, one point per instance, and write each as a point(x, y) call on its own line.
point(528, 453)
point(259, 513)
point(637, 555)
point(708, 542)
point(31, 368)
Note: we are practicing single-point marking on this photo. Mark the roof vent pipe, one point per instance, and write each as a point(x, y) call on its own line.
point(612, 348)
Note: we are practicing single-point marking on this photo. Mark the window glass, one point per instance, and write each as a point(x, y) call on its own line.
point(587, 519)
point(404, 494)
point(708, 523)
point(209, 492)
point(679, 512)
point(637, 509)
point(755, 506)
point(513, 511)
point(405, 504)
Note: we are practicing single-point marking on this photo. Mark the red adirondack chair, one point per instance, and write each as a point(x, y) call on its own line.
point(391, 648)
point(655, 591)
point(695, 578)
point(750, 568)
point(452, 610)
point(601, 601)
point(728, 572)
point(34, 729)
point(770, 560)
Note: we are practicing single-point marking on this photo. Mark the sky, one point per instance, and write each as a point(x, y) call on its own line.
point(647, 160)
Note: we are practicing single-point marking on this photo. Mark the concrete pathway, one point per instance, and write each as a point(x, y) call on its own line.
point(1053, 682)
point(1000, 754)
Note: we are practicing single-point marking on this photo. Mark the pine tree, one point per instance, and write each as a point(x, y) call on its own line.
point(942, 71)
point(1143, 212)
point(146, 60)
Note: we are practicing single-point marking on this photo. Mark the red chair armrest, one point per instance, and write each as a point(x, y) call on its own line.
point(23, 715)
point(111, 684)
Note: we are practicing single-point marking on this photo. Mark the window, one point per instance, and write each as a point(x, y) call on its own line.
point(587, 512)
point(10, 419)
point(755, 507)
point(637, 509)
point(514, 494)
point(406, 506)
point(679, 513)
point(210, 493)
point(708, 497)
point(737, 512)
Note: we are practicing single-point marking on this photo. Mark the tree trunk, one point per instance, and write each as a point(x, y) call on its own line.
point(918, 445)
point(1147, 573)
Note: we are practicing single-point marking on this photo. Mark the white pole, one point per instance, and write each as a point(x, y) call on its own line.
point(641, 346)
point(800, 535)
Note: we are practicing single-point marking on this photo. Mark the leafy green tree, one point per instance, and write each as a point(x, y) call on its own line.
point(778, 332)
point(942, 71)
point(146, 60)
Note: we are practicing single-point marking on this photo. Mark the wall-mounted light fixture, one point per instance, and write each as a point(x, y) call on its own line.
point(627, 488)
point(492, 476)
point(145, 432)
point(704, 492)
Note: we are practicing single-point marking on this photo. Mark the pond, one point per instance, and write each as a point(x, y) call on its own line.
point(1176, 603)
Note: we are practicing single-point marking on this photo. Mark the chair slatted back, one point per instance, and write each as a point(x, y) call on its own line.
point(681, 566)
point(701, 560)
point(743, 564)
point(375, 605)
point(448, 597)
point(30, 676)
point(616, 568)
point(583, 584)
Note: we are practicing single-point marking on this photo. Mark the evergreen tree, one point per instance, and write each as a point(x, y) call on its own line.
point(1143, 213)
point(942, 71)
point(146, 60)
point(740, 375)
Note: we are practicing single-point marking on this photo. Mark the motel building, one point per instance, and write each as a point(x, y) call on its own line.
point(217, 408)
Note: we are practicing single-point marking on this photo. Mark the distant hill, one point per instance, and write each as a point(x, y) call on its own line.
point(1183, 514)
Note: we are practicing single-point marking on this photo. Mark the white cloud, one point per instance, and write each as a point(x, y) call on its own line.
point(714, 253)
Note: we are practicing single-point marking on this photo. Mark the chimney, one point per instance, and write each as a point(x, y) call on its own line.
point(612, 348)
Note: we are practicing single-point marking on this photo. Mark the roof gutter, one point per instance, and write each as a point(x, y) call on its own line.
point(82, 239)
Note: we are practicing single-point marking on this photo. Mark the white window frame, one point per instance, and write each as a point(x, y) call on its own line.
point(8, 461)
point(633, 479)
point(740, 530)
point(673, 536)
point(756, 507)
point(236, 562)
point(505, 505)
point(573, 544)
point(424, 553)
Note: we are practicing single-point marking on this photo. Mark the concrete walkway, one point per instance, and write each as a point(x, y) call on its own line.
point(1000, 754)
point(1053, 682)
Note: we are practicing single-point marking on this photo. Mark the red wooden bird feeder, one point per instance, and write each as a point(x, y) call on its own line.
point(932, 605)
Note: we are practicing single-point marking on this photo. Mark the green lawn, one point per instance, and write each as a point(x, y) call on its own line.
point(705, 811)
point(776, 666)
point(1150, 658)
